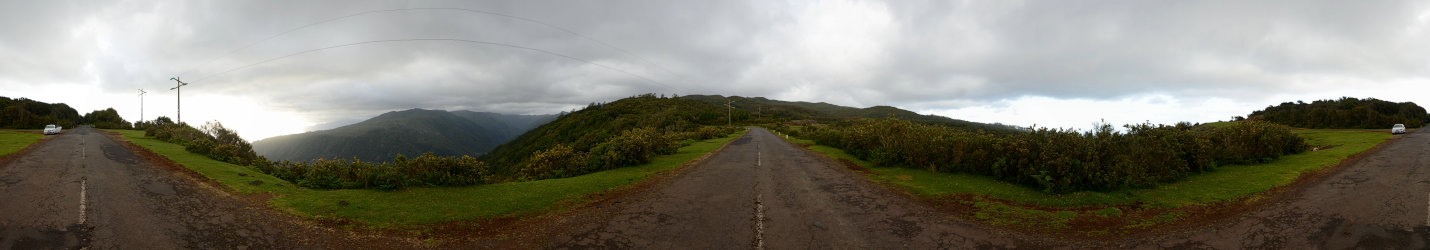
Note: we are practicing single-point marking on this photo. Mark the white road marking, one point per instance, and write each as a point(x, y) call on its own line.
point(757, 158)
point(82, 200)
point(759, 222)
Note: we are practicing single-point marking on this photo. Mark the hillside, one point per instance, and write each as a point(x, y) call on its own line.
point(1344, 113)
point(761, 108)
point(585, 129)
point(410, 132)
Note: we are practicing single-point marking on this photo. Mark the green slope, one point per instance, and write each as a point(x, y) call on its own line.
point(582, 130)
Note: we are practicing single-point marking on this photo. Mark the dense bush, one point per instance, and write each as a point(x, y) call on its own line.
point(213, 140)
point(555, 162)
point(23, 113)
point(427, 170)
point(616, 134)
point(1062, 161)
point(1345, 113)
point(106, 119)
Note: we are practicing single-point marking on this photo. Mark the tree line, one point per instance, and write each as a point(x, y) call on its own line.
point(24, 113)
point(1057, 160)
point(1344, 113)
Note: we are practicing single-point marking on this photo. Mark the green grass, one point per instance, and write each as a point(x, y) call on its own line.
point(415, 206)
point(1003, 214)
point(1223, 184)
point(12, 141)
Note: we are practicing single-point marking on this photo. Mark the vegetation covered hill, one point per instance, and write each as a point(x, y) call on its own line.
point(762, 110)
point(588, 134)
point(410, 132)
point(1344, 113)
point(585, 130)
point(23, 113)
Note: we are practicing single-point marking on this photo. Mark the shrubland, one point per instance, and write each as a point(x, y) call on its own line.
point(1057, 160)
point(601, 137)
point(24, 113)
point(1344, 113)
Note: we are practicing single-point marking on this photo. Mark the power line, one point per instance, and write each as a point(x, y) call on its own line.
point(548, 52)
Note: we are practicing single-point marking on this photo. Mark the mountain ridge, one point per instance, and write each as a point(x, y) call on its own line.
point(409, 132)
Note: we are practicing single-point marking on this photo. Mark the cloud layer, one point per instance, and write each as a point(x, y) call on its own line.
point(989, 61)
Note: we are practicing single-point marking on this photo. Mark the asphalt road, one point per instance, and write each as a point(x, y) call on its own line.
point(82, 189)
point(1380, 202)
point(763, 193)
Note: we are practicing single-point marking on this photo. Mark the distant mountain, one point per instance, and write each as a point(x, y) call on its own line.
point(409, 132)
point(762, 108)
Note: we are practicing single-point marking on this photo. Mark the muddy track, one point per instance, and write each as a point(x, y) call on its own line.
point(82, 189)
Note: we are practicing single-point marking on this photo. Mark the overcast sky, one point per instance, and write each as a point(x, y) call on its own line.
point(269, 68)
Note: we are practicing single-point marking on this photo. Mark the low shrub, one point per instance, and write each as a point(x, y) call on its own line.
point(427, 170)
point(1061, 161)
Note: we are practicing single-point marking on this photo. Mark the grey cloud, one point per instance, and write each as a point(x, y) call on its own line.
point(931, 54)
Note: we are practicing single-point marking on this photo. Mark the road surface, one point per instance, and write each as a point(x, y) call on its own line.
point(82, 189)
point(1380, 202)
point(761, 192)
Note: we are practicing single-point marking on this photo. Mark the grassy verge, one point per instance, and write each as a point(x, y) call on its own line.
point(1030, 207)
point(12, 141)
point(416, 206)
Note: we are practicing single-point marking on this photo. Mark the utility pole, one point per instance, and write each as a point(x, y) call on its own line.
point(141, 104)
point(178, 101)
point(730, 114)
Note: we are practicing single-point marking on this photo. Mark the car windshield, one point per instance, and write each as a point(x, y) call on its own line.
point(1399, 126)
point(50, 126)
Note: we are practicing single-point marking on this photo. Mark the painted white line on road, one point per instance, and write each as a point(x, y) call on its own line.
point(82, 200)
point(759, 222)
point(758, 155)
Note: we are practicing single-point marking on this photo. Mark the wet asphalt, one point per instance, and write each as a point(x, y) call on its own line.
point(763, 193)
point(1380, 202)
point(83, 190)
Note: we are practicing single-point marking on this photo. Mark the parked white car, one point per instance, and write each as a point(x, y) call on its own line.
point(1397, 129)
point(52, 129)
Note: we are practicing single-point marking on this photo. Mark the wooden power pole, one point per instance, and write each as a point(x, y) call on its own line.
point(178, 101)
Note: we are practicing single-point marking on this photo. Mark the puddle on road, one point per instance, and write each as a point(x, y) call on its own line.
point(120, 154)
point(1339, 233)
point(75, 236)
point(159, 188)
